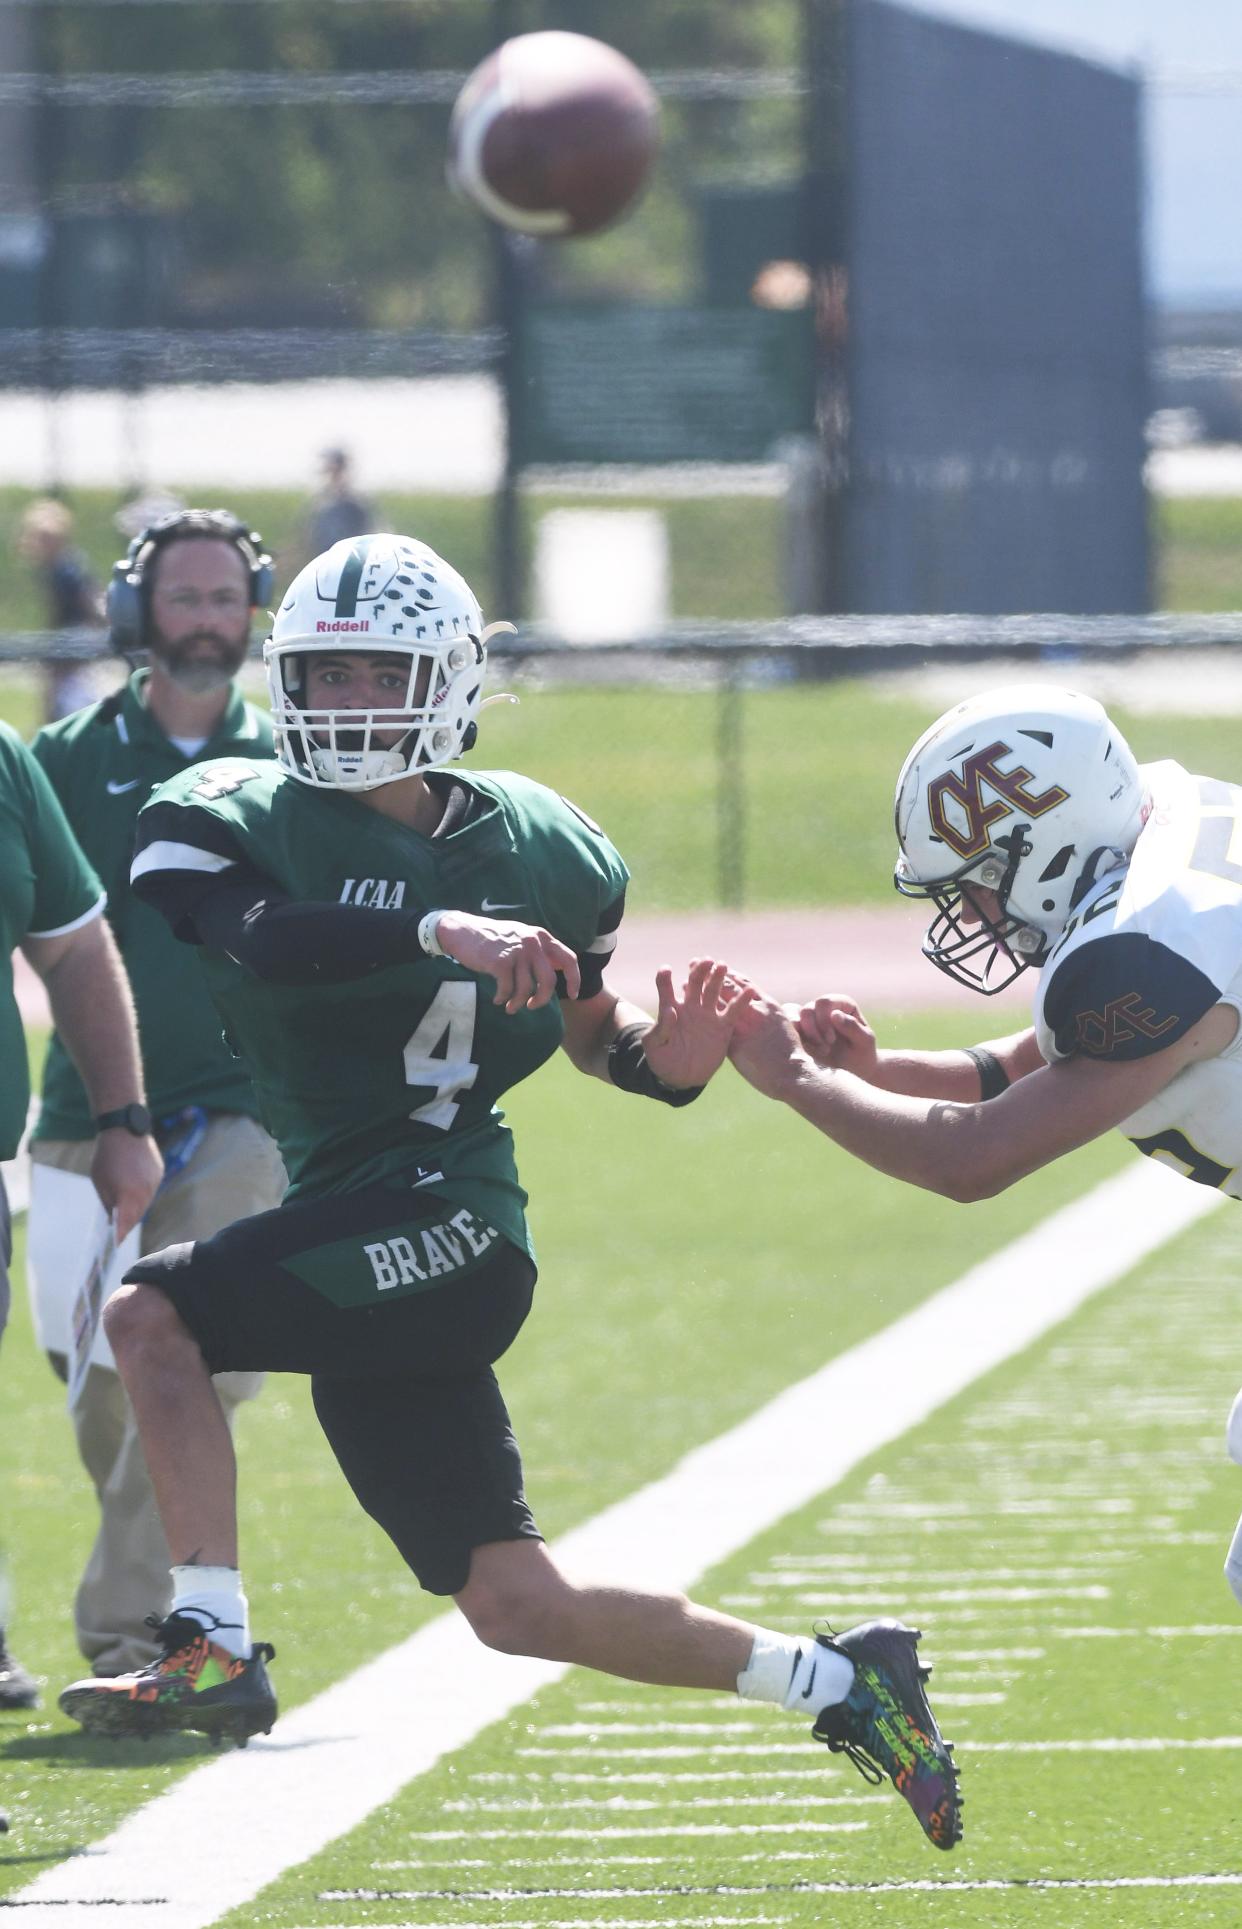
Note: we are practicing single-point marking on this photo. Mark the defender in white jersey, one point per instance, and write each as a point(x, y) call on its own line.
point(1023, 817)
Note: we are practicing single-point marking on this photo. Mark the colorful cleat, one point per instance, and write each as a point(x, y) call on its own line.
point(886, 1727)
point(18, 1687)
point(194, 1684)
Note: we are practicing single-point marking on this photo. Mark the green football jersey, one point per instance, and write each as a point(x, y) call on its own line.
point(46, 887)
point(396, 1073)
point(104, 762)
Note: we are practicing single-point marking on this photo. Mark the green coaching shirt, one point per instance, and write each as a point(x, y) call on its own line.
point(46, 888)
point(104, 762)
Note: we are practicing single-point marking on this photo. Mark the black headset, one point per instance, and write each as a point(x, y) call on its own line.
point(129, 585)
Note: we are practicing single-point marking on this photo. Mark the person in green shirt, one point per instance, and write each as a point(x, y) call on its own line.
point(184, 597)
point(392, 946)
point(51, 905)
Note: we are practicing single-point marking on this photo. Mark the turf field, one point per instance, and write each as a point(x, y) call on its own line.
point(1057, 1530)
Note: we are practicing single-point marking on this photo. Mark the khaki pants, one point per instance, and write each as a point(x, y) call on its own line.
point(6, 1254)
point(235, 1173)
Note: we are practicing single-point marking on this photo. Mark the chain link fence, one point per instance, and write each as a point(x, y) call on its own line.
point(748, 765)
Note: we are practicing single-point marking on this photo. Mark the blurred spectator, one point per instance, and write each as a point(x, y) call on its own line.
point(141, 510)
point(44, 540)
point(338, 510)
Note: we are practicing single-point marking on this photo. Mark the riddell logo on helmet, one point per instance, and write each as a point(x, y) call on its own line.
point(338, 626)
point(966, 831)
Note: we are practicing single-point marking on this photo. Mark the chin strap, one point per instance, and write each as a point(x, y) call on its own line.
point(1093, 870)
point(1017, 847)
point(360, 767)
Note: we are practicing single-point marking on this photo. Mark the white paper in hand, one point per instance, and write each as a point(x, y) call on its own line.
point(88, 1304)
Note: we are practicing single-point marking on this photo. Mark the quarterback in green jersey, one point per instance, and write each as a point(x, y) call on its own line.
point(391, 946)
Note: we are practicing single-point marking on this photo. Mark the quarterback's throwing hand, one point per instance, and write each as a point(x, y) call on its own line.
point(524, 959)
point(690, 1038)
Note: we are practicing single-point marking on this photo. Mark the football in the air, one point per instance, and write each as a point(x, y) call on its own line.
point(553, 134)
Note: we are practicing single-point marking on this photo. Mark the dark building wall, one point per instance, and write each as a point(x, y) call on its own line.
point(997, 380)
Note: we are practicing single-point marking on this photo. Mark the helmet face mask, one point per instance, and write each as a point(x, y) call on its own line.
point(984, 952)
point(396, 605)
point(1026, 793)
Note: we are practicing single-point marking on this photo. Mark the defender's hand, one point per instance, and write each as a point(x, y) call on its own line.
point(690, 1038)
point(524, 959)
point(835, 1033)
point(126, 1172)
point(766, 1048)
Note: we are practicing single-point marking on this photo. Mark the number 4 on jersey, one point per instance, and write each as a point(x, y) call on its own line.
point(438, 1053)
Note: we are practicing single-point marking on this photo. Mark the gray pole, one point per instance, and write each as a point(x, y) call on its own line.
point(730, 785)
point(826, 31)
point(507, 281)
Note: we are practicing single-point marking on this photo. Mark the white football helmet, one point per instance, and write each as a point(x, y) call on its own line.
point(377, 595)
point(1028, 791)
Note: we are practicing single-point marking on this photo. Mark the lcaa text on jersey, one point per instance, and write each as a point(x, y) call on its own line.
point(374, 891)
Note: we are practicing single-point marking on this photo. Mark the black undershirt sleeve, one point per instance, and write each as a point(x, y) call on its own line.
point(592, 964)
point(286, 941)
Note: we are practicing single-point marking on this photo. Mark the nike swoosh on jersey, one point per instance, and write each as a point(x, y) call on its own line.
point(487, 907)
point(115, 789)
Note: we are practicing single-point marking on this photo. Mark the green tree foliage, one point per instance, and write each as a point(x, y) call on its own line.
point(338, 214)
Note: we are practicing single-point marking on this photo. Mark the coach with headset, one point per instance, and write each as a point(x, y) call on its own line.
point(184, 598)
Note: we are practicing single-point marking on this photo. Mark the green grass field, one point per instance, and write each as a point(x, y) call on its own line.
point(814, 778)
point(1058, 1529)
point(1038, 1528)
point(725, 552)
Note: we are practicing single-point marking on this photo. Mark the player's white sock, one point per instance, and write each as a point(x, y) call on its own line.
point(213, 1595)
point(801, 1675)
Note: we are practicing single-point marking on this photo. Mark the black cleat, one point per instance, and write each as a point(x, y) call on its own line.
point(194, 1684)
point(18, 1687)
point(886, 1727)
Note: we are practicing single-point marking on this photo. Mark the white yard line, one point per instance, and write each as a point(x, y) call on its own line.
point(927, 1886)
point(336, 1759)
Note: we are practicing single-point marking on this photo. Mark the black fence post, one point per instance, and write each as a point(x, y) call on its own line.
point(730, 784)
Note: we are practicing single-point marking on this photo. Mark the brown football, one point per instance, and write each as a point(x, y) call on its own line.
point(553, 134)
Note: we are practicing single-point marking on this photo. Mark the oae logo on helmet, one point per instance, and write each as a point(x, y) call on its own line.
point(956, 804)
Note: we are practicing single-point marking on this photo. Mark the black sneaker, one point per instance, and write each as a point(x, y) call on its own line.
point(886, 1727)
point(18, 1687)
point(193, 1684)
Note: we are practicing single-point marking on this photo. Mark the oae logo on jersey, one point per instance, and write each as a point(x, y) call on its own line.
point(374, 891)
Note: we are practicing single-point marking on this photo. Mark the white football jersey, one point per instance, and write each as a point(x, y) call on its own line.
point(1153, 946)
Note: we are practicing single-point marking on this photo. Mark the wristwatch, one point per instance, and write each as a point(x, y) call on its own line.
point(135, 1118)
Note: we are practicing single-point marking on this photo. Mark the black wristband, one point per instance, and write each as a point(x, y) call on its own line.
point(628, 1068)
point(993, 1078)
